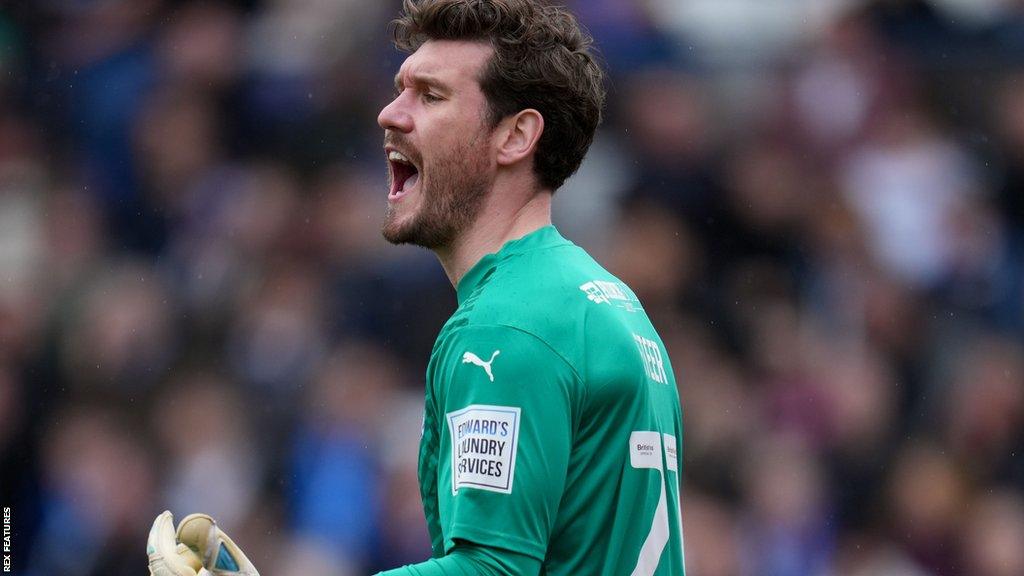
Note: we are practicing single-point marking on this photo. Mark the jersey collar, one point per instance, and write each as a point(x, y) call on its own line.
point(546, 237)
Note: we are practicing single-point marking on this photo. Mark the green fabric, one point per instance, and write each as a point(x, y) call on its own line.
point(468, 560)
point(551, 410)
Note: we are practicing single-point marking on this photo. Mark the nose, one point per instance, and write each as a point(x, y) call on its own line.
point(394, 116)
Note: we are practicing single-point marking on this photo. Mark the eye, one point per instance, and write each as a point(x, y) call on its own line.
point(429, 98)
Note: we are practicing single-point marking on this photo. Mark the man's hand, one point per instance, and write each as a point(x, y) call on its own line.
point(199, 548)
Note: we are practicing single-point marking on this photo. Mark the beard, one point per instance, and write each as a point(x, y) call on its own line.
point(453, 187)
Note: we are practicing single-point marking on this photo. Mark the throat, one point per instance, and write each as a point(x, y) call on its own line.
point(489, 233)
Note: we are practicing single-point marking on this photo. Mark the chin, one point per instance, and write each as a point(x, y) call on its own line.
point(399, 225)
point(418, 231)
point(397, 232)
point(396, 235)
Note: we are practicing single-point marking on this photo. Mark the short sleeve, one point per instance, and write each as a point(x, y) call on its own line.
point(505, 404)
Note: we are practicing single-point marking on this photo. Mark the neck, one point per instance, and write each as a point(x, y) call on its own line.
point(495, 226)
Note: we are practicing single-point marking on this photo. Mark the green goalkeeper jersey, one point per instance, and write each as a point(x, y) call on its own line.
point(552, 426)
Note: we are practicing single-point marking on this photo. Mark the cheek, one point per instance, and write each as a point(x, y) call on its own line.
point(452, 142)
point(458, 130)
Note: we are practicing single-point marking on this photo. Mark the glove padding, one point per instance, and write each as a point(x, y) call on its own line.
point(199, 548)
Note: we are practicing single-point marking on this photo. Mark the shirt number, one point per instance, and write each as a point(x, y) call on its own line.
point(645, 451)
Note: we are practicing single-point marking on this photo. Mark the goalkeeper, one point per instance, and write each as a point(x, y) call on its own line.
point(552, 428)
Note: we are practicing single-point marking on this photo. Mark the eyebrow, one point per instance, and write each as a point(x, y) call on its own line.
point(420, 78)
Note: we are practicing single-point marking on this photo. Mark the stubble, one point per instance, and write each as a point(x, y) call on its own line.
point(454, 187)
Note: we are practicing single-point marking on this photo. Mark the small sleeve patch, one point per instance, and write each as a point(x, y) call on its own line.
point(484, 444)
point(645, 450)
point(671, 455)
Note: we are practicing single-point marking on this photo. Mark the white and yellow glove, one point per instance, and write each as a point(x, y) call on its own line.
point(198, 548)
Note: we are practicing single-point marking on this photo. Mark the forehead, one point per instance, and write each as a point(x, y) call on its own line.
point(454, 62)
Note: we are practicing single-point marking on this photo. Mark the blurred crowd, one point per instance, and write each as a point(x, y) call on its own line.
point(821, 204)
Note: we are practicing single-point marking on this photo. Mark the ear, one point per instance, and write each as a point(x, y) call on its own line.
point(518, 136)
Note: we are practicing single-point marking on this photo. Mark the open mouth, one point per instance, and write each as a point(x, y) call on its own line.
point(404, 175)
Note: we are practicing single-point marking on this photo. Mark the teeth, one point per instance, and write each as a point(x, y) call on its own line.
point(398, 157)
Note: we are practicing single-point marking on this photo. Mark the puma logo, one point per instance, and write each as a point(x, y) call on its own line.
point(470, 358)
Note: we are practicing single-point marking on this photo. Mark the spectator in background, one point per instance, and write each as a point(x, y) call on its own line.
point(204, 433)
point(674, 151)
point(711, 536)
point(119, 333)
point(786, 529)
point(1008, 118)
point(102, 54)
point(98, 481)
point(906, 184)
point(627, 33)
point(334, 461)
point(849, 78)
point(995, 529)
point(981, 411)
point(927, 501)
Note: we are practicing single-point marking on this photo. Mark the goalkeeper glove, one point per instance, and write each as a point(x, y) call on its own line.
point(199, 548)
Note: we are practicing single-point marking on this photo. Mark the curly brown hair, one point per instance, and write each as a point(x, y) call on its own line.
point(542, 60)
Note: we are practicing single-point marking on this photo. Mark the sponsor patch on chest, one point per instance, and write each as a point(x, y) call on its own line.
point(484, 443)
